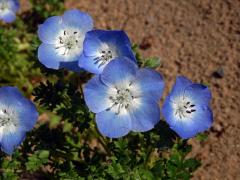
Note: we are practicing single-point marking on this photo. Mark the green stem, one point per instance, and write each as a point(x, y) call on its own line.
point(150, 150)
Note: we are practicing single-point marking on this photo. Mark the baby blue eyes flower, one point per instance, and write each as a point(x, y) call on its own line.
point(8, 9)
point(102, 46)
point(124, 98)
point(17, 116)
point(62, 38)
point(186, 108)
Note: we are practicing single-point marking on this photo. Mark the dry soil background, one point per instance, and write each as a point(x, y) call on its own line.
point(194, 38)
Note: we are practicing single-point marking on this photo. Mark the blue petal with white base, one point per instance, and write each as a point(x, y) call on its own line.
point(17, 116)
point(95, 88)
point(8, 9)
point(186, 109)
point(62, 39)
point(119, 72)
point(145, 115)
point(117, 96)
point(151, 84)
point(113, 125)
point(102, 46)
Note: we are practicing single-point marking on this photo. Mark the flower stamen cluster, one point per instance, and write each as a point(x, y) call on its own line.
point(183, 108)
point(122, 99)
point(8, 116)
point(69, 41)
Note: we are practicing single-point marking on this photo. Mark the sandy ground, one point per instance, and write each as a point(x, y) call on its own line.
point(194, 38)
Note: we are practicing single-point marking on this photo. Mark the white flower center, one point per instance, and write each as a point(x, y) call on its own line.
point(121, 99)
point(3, 6)
point(105, 55)
point(183, 108)
point(69, 42)
point(8, 116)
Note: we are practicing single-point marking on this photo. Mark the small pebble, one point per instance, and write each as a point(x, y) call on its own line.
point(219, 73)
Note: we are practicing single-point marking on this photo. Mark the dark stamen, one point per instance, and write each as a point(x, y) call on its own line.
point(189, 112)
point(193, 110)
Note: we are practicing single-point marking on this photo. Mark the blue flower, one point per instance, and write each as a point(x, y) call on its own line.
point(186, 109)
point(62, 38)
point(124, 98)
point(17, 116)
point(100, 47)
point(8, 9)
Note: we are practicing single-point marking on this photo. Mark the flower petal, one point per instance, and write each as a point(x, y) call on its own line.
point(78, 19)
point(96, 95)
point(150, 84)
point(11, 138)
point(26, 110)
point(145, 114)
point(97, 41)
point(181, 84)
point(187, 127)
point(201, 121)
point(49, 30)
point(72, 66)
point(199, 93)
point(118, 40)
point(119, 72)
point(113, 125)
point(14, 5)
point(168, 112)
point(92, 43)
point(8, 16)
point(87, 63)
point(48, 56)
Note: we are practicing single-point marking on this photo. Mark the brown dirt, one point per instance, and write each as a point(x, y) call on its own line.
point(193, 38)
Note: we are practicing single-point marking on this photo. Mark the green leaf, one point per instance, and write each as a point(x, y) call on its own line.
point(153, 62)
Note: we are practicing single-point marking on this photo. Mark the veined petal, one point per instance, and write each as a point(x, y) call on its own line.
point(102, 46)
point(96, 95)
point(118, 39)
point(11, 138)
point(91, 44)
point(181, 84)
point(187, 126)
point(145, 114)
point(49, 30)
point(201, 121)
point(113, 125)
point(119, 71)
point(168, 112)
point(87, 63)
point(199, 93)
point(150, 83)
point(48, 56)
point(78, 19)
